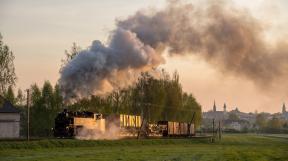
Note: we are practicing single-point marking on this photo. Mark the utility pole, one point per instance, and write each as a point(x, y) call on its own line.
point(28, 115)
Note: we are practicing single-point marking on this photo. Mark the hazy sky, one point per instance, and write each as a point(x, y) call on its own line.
point(39, 31)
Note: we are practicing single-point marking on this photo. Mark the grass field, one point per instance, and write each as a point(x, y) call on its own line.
point(232, 147)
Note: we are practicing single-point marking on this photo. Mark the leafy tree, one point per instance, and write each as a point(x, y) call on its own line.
point(261, 120)
point(173, 98)
point(35, 94)
point(9, 95)
point(233, 117)
point(7, 69)
point(44, 109)
point(192, 109)
point(57, 98)
point(20, 99)
point(36, 114)
point(47, 95)
point(275, 123)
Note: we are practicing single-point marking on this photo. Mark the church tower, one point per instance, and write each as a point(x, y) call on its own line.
point(283, 108)
point(224, 107)
point(214, 107)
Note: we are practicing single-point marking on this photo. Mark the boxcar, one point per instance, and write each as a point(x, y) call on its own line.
point(170, 128)
point(128, 125)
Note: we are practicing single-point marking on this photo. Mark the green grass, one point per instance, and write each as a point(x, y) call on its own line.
point(232, 147)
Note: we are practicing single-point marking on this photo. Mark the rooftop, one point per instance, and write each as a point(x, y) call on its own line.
point(7, 107)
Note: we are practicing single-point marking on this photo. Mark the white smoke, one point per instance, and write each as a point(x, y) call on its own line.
point(112, 132)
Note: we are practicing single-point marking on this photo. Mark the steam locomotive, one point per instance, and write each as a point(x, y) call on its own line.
point(73, 124)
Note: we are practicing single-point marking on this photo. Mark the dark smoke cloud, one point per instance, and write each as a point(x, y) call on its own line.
point(229, 39)
point(101, 68)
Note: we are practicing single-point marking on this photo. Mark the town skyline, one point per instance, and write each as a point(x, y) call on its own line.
point(226, 108)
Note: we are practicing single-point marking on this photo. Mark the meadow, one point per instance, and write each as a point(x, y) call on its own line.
point(231, 147)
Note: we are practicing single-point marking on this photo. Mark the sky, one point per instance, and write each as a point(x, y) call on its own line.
point(38, 33)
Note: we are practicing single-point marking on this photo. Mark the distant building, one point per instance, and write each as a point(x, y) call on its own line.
point(9, 120)
point(250, 117)
point(237, 120)
point(245, 120)
point(283, 109)
point(284, 114)
point(214, 114)
point(234, 125)
point(214, 107)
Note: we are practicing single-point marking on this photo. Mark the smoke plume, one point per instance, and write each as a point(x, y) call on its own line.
point(113, 132)
point(230, 39)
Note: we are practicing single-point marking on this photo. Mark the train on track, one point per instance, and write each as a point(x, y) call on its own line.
point(73, 124)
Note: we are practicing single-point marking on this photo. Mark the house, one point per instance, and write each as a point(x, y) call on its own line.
point(9, 120)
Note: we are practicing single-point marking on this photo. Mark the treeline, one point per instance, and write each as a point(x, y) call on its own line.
point(155, 99)
point(274, 125)
point(44, 104)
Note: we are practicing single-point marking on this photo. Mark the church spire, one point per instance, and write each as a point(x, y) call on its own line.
point(224, 107)
point(214, 106)
point(283, 108)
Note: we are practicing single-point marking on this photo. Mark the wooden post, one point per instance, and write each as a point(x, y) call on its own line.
point(28, 115)
point(141, 126)
point(219, 130)
point(213, 130)
point(189, 125)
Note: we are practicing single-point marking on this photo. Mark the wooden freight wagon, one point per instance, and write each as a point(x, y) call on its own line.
point(170, 128)
point(127, 125)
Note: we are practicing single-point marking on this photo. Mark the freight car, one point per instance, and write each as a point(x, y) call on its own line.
point(71, 124)
point(171, 129)
point(127, 125)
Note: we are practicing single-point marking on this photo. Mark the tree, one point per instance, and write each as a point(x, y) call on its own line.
point(191, 110)
point(9, 95)
point(35, 94)
point(47, 95)
point(36, 113)
point(275, 123)
point(44, 109)
point(20, 99)
point(7, 69)
point(233, 117)
point(261, 120)
point(69, 55)
point(57, 97)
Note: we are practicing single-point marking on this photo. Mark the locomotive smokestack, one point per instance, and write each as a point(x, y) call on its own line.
point(229, 39)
